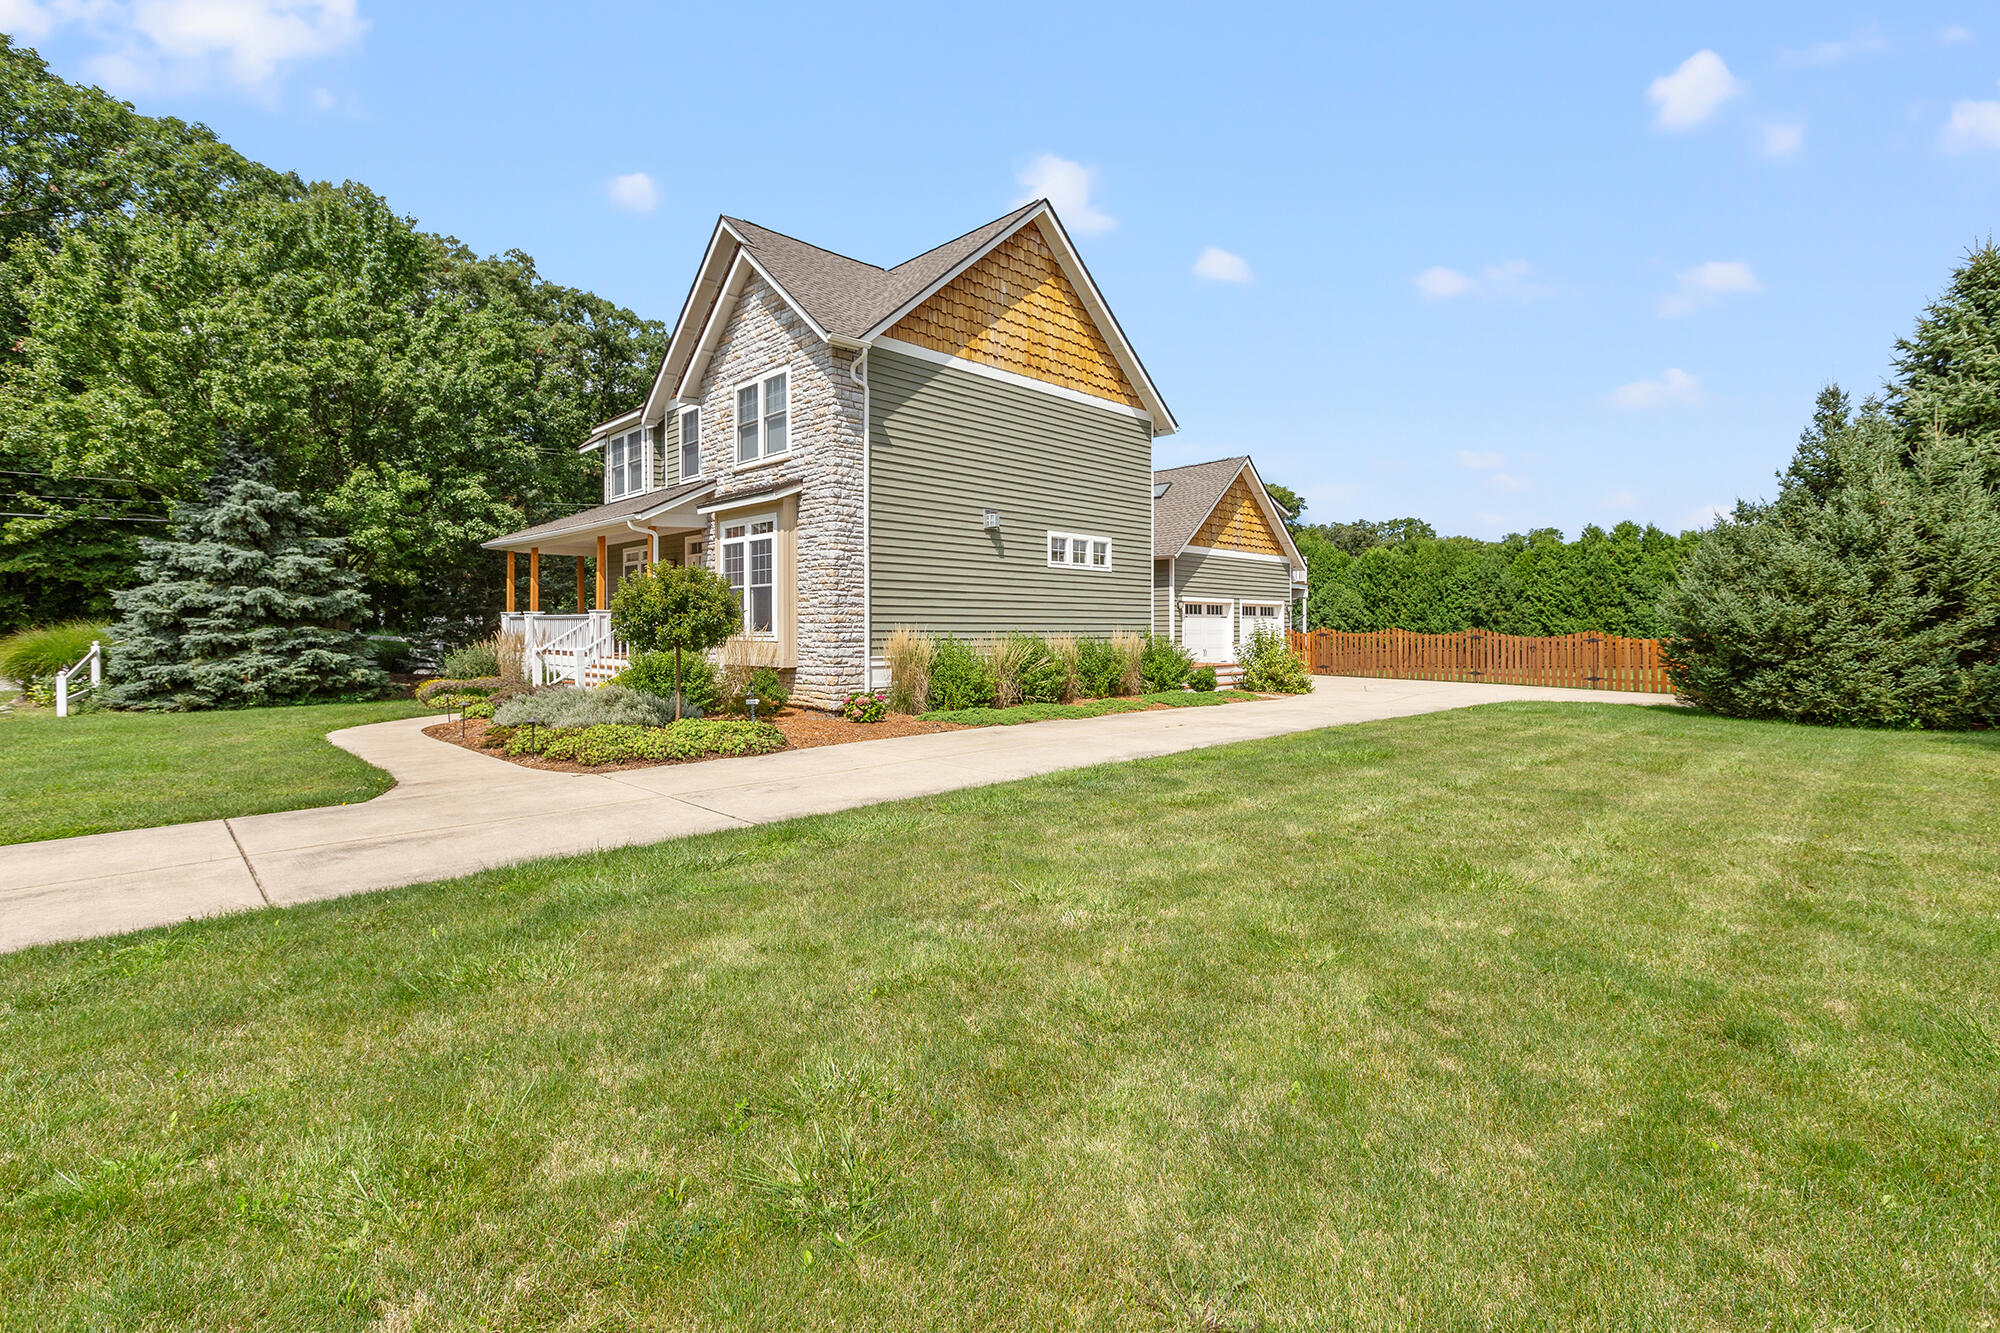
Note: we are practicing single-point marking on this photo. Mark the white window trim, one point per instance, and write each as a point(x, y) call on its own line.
point(764, 457)
point(1110, 550)
point(624, 439)
point(721, 565)
point(680, 441)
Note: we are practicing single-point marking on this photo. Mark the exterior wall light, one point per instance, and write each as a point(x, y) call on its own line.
point(992, 519)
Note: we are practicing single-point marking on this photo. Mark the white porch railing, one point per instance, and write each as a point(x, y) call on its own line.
point(568, 649)
point(94, 661)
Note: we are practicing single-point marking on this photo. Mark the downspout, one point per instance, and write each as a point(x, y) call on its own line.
point(652, 542)
point(855, 369)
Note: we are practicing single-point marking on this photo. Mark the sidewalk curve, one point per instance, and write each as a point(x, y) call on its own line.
point(454, 811)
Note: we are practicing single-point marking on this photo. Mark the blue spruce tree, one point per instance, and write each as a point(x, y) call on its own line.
point(243, 606)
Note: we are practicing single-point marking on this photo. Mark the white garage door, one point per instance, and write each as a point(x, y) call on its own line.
point(1206, 631)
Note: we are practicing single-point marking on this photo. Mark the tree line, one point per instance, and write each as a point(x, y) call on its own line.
point(160, 293)
point(1399, 574)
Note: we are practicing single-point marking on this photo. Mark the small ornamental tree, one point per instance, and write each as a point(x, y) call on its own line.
point(675, 608)
point(242, 605)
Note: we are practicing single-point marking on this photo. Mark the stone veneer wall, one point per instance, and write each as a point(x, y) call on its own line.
point(763, 334)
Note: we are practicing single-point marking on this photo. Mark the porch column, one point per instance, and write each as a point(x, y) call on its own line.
point(600, 573)
point(510, 583)
point(581, 606)
point(534, 578)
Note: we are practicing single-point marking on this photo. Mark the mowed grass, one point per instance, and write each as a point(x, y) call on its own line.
point(96, 772)
point(1558, 1016)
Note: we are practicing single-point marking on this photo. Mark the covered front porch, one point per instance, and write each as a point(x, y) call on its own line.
point(574, 644)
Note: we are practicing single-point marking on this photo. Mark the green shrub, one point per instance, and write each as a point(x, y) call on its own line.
point(1164, 665)
point(613, 743)
point(653, 673)
point(391, 652)
point(483, 686)
point(865, 706)
point(33, 656)
point(1271, 667)
point(1100, 669)
point(1201, 679)
point(473, 660)
point(1042, 676)
point(767, 687)
point(479, 708)
point(565, 706)
point(960, 677)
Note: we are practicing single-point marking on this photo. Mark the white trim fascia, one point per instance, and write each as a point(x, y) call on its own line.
point(1241, 555)
point(1010, 377)
point(1079, 277)
point(760, 498)
point(1271, 513)
point(501, 543)
point(687, 312)
point(711, 332)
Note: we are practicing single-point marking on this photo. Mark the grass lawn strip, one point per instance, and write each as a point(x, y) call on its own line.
point(1533, 1015)
point(1138, 703)
point(97, 772)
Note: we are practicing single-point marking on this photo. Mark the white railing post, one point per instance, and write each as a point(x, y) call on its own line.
point(62, 693)
point(96, 664)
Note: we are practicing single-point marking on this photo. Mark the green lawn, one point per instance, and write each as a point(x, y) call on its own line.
point(1556, 1016)
point(101, 771)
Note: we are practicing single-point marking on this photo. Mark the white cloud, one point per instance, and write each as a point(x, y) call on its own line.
point(1482, 461)
point(1705, 284)
point(1782, 140)
point(1673, 386)
point(24, 18)
point(1954, 35)
point(1692, 93)
point(1503, 481)
point(1704, 516)
point(1217, 263)
point(1067, 185)
point(1512, 279)
point(1866, 41)
point(635, 193)
point(1441, 284)
point(187, 43)
point(1972, 125)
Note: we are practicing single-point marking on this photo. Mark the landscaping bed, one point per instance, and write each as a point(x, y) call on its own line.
point(800, 729)
point(1137, 703)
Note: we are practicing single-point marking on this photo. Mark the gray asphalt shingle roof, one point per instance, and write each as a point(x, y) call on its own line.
point(1191, 495)
point(630, 507)
point(847, 297)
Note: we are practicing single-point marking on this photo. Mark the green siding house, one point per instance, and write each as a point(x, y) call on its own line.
point(961, 443)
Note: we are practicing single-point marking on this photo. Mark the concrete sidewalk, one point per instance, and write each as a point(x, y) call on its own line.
point(454, 811)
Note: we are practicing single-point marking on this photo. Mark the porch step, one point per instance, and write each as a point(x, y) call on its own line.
point(1228, 675)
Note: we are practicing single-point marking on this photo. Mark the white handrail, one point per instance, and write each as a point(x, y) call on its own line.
point(559, 644)
point(94, 659)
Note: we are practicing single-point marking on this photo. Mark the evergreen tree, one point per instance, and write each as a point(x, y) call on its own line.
point(1947, 372)
point(1876, 605)
point(242, 606)
point(1811, 467)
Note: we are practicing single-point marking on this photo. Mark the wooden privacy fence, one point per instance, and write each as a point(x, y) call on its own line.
point(1575, 661)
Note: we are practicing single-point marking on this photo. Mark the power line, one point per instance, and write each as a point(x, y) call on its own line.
point(89, 518)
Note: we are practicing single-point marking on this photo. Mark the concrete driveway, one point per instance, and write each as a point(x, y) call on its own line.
point(454, 811)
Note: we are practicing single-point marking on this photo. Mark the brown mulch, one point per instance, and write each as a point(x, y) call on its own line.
point(803, 730)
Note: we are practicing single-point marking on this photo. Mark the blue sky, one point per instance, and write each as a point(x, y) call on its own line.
point(1496, 270)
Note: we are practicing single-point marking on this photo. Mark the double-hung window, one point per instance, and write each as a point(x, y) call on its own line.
point(690, 444)
point(625, 465)
point(749, 562)
point(1074, 550)
point(763, 418)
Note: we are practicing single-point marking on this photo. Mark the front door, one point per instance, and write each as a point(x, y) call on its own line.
point(1206, 631)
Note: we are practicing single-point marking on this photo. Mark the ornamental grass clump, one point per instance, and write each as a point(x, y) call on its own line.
point(908, 653)
point(473, 660)
point(32, 657)
point(1025, 671)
